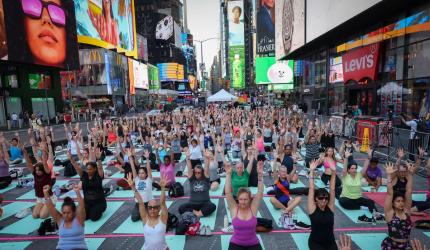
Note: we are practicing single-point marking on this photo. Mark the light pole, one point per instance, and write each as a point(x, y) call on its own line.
point(201, 53)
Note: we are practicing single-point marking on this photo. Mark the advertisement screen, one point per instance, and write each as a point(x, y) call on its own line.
point(171, 71)
point(164, 29)
point(34, 42)
point(108, 24)
point(153, 77)
point(281, 87)
point(266, 27)
point(138, 73)
point(39, 81)
point(336, 70)
point(289, 26)
point(142, 47)
point(269, 71)
point(236, 43)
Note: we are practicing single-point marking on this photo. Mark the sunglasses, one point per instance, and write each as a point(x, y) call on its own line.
point(34, 9)
point(322, 198)
point(198, 172)
point(153, 207)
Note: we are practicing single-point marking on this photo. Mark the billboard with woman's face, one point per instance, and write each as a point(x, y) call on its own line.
point(108, 24)
point(3, 41)
point(43, 32)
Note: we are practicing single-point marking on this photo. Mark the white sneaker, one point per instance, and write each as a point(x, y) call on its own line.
point(202, 231)
point(208, 231)
point(228, 229)
point(23, 213)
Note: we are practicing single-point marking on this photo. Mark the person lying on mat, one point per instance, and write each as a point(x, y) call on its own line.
point(199, 202)
point(92, 184)
point(70, 221)
point(352, 197)
point(42, 177)
point(142, 179)
point(397, 212)
point(321, 211)
point(372, 172)
point(154, 222)
point(243, 212)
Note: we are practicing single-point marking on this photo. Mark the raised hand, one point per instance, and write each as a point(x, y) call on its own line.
point(400, 153)
point(347, 154)
point(228, 169)
point(369, 152)
point(421, 152)
point(389, 168)
point(76, 188)
point(163, 181)
point(146, 154)
point(130, 180)
point(411, 168)
point(344, 242)
point(46, 189)
point(260, 165)
point(313, 165)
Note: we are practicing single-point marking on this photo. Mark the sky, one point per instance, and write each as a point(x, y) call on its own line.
point(203, 23)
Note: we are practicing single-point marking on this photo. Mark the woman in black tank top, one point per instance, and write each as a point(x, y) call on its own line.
point(321, 212)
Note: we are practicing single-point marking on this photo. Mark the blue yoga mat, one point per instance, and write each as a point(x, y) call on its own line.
point(14, 245)
point(354, 214)
point(301, 240)
point(276, 213)
point(94, 243)
point(23, 226)
point(92, 226)
point(225, 241)
point(176, 242)
point(210, 220)
point(129, 226)
point(13, 208)
point(368, 241)
point(220, 189)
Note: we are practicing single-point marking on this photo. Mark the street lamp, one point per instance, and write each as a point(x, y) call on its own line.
point(201, 52)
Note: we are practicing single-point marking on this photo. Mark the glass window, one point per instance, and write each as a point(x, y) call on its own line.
point(415, 96)
point(418, 59)
point(44, 106)
point(393, 65)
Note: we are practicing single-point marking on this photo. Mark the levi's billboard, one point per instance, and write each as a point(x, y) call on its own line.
point(361, 63)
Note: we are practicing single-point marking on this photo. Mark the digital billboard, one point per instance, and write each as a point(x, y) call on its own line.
point(142, 47)
point(289, 26)
point(165, 28)
point(268, 70)
point(336, 70)
point(153, 77)
point(39, 81)
point(236, 43)
point(171, 71)
point(266, 27)
point(138, 74)
point(108, 24)
point(25, 26)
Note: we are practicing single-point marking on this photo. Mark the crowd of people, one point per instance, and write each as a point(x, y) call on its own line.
point(206, 145)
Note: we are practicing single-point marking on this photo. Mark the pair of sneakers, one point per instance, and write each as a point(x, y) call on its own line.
point(205, 231)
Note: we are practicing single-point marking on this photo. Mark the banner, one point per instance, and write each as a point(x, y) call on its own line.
point(108, 24)
point(34, 42)
point(361, 63)
point(268, 71)
point(142, 48)
point(154, 81)
point(266, 27)
point(236, 43)
point(289, 26)
point(171, 71)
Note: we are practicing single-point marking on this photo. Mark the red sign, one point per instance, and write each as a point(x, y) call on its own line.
point(361, 63)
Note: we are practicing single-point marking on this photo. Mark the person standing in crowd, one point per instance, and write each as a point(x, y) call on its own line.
point(199, 202)
point(15, 122)
point(243, 212)
point(70, 221)
point(413, 136)
point(321, 211)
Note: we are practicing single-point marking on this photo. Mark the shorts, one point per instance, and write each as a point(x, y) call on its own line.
point(43, 200)
point(217, 180)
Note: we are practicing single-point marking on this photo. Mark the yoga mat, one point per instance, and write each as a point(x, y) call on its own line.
point(220, 189)
point(225, 241)
point(368, 241)
point(354, 214)
point(381, 189)
point(23, 226)
point(427, 234)
point(15, 207)
point(299, 184)
point(31, 194)
point(276, 213)
point(210, 220)
point(228, 211)
point(176, 242)
point(136, 227)
point(92, 226)
point(301, 240)
point(8, 188)
point(379, 197)
point(117, 175)
point(94, 243)
point(14, 245)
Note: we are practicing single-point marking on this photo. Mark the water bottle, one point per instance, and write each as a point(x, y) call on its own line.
point(111, 189)
point(225, 221)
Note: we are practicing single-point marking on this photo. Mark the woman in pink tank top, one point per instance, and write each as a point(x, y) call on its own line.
point(243, 213)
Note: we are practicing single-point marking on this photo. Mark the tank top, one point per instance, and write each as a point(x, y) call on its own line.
point(267, 132)
point(322, 223)
point(260, 144)
point(227, 138)
point(40, 181)
point(244, 231)
point(400, 229)
point(111, 137)
point(213, 171)
point(4, 168)
point(155, 236)
point(71, 238)
point(169, 172)
point(327, 164)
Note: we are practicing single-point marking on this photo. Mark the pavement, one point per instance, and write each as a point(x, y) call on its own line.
point(115, 230)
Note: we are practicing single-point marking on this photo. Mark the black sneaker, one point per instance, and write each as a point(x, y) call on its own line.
point(302, 225)
point(364, 218)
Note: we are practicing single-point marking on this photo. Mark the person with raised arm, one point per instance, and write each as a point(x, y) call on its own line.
point(142, 179)
point(243, 212)
point(5, 178)
point(70, 221)
point(321, 211)
point(397, 210)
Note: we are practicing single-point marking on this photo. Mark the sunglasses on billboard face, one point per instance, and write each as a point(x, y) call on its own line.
point(34, 9)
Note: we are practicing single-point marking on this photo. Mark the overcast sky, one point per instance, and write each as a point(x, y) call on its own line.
point(203, 22)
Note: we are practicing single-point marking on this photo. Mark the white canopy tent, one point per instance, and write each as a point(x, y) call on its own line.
point(222, 96)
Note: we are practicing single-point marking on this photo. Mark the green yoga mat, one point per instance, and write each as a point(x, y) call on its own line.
point(14, 245)
point(129, 226)
point(301, 240)
point(176, 242)
point(276, 214)
point(23, 227)
point(220, 189)
point(368, 241)
point(94, 243)
point(13, 208)
point(92, 226)
point(225, 241)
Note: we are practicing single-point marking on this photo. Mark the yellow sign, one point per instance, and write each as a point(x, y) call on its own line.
point(365, 142)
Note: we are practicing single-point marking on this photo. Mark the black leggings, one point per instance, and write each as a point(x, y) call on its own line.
point(233, 246)
point(318, 246)
point(5, 181)
point(94, 209)
point(206, 208)
point(325, 178)
point(355, 204)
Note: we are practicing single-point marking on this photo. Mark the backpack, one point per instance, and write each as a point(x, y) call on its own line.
point(421, 126)
point(264, 225)
point(47, 227)
point(69, 170)
point(176, 190)
point(172, 222)
point(187, 219)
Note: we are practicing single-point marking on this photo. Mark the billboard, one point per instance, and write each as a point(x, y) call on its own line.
point(165, 28)
point(22, 23)
point(138, 74)
point(108, 24)
point(266, 27)
point(153, 77)
point(289, 26)
point(178, 35)
point(142, 47)
point(336, 70)
point(39, 81)
point(171, 71)
point(268, 71)
point(236, 43)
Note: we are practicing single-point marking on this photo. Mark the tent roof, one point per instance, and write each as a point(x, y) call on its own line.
point(222, 96)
